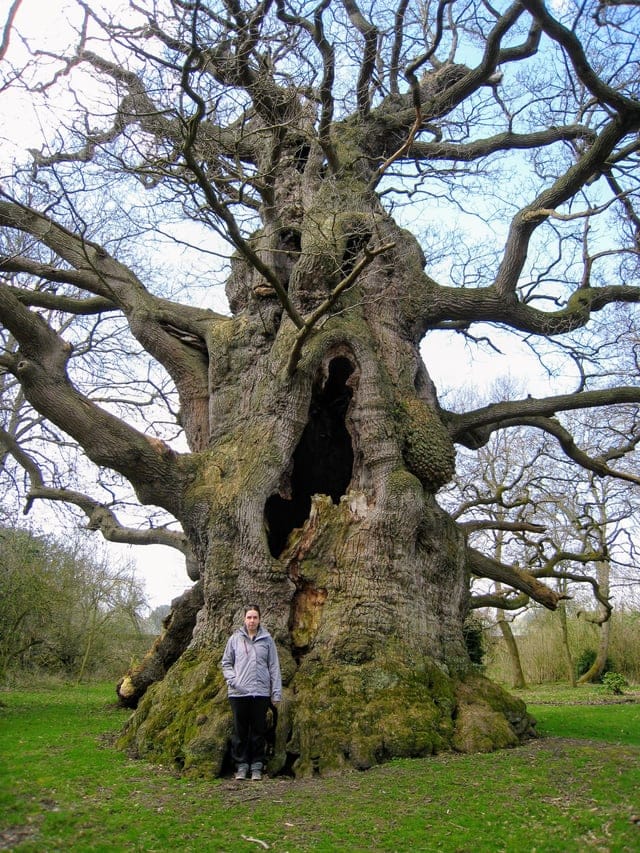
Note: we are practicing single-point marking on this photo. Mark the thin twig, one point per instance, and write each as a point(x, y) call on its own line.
point(312, 320)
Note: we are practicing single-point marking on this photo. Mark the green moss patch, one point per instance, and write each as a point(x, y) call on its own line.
point(427, 447)
point(361, 715)
point(184, 720)
point(488, 717)
point(334, 715)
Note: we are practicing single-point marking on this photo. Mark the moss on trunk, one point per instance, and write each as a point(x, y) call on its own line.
point(333, 716)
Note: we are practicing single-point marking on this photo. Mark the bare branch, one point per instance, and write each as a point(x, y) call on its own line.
point(497, 524)
point(6, 30)
point(66, 304)
point(41, 369)
point(394, 67)
point(323, 309)
point(574, 49)
point(474, 428)
point(370, 35)
point(100, 517)
point(501, 601)
point(507, 141)
point(317, 32)
point(217, 205)
point(485, 567)
point(591, 163)
point(568, 445)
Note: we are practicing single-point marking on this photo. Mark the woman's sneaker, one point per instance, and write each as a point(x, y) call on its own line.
point(242, 772)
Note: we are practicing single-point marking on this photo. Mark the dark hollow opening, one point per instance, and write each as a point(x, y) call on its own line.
point(301, 155)
point(355, 244)
point(290, 240)
point(287, 254)
point(322, 461)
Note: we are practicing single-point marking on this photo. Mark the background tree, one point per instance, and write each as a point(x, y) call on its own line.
point(542, 654)
point(156, 618)
point(24, 599)
point(561, 524)
point(313, 440)
point(65, 611)
point(491, 500)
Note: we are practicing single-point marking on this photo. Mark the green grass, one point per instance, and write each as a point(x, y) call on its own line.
point(64, 787)
point(592, 719)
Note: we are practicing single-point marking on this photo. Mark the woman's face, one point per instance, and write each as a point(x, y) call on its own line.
point(251, 621)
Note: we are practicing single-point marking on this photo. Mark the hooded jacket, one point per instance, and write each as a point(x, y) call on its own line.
point(251, 666)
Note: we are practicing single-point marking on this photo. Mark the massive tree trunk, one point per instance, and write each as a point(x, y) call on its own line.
point(315, 499)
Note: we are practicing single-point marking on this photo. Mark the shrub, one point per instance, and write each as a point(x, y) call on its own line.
point(65, 608)
point(614, 682)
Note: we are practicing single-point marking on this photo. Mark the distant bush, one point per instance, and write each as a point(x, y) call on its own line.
point(625, 643)
point(539, 640)
point(614, 682)
point(65, 609)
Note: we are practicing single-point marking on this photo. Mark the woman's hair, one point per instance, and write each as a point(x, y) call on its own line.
point(252, 607)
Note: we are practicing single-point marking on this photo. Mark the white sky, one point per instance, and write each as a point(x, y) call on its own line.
point(161, 570)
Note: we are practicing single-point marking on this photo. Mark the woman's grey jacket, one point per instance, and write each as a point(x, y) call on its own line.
point(251, 667)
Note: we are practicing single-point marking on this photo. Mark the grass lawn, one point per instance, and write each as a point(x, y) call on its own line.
point(64, 787)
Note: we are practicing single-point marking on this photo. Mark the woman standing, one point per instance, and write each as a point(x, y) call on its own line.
point(251, 669)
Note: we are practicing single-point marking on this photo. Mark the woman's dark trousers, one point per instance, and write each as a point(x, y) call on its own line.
point(248, 743)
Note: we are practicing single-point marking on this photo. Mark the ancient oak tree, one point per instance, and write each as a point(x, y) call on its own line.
point(379, 173)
